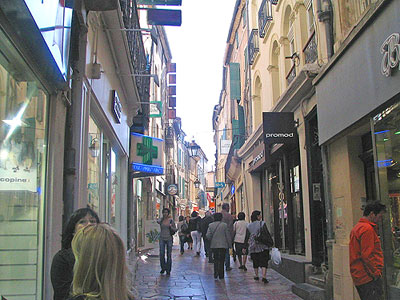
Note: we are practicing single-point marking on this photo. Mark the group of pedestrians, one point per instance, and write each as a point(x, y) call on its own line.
point(221, 235)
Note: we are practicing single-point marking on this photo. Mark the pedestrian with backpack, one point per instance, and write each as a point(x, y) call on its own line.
point(182, 232)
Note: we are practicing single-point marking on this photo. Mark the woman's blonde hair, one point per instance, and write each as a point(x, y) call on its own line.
point(100, 266)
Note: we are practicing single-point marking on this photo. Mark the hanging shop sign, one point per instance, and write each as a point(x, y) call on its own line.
point(278, 128)
point(160, 2)
point(155, 109)
point(146, 154)
point(55, 27)
point(165, 17)
point(172, 189)
point(391, 54)
point(225, 146)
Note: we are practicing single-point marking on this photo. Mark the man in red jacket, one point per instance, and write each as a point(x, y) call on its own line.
point(366, 257)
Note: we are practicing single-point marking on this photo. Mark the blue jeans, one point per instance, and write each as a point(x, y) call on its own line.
point(182, 242)
point(166, 266)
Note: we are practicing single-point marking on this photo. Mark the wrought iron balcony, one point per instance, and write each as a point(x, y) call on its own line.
point(136, 49)
point(253, 46)
point(264, 17)
point(311, 50)
point(291, 75)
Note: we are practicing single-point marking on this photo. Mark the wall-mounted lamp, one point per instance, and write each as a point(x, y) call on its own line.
point(295, 58)
point(93, 147)
point(197, 183)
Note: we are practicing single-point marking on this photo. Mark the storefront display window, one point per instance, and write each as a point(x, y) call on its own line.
point(112, 181)
point(387, 142)
point(23, 141)
point(94, 165)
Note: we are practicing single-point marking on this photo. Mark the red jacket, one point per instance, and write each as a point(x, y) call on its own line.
point(366, 257)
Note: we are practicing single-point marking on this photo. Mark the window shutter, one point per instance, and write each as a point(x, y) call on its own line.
point(234, 71)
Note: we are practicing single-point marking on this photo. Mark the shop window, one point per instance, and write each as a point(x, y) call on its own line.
point(23, 144)
point(387, 143)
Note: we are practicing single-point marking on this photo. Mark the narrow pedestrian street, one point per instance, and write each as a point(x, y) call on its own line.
point(192, 278)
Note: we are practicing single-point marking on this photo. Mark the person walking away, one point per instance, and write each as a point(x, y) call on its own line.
point(205, 222)
point(100, 269)
point(366, 257)
point(259, 253)
point(218, 234)
point(188, 238)
point(182, 231)
point(194, 226)
point(228, 220)
point(240, 241)
point(168, 228)
point(61, 272)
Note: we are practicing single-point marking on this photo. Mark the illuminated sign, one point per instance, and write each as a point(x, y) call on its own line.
point(146, 154)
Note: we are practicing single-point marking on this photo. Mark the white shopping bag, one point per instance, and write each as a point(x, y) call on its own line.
point(276, 256)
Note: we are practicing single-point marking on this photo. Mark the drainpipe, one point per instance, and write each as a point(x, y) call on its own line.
point(249, 72)
point(329, 218)
point(325, 15)
point(74, 128)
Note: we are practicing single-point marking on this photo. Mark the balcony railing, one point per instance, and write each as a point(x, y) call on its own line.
point(136, 49)
point(253, 46)
point(264, 17)
point(311, 50)
point(291, 75)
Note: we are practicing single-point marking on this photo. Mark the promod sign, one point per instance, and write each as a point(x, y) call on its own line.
point(278, 128)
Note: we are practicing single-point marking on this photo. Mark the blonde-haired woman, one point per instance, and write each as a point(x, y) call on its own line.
point(100, 266)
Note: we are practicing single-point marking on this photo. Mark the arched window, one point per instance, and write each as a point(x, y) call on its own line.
point(257, 110)
point(274, 70)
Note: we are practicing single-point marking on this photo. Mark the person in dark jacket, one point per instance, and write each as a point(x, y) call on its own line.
point(63, 262)
point(205, 222)
point(228, 220)
point(220, 238)
point(194, 226)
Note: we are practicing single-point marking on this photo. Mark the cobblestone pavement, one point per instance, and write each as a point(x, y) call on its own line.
point(192, 278)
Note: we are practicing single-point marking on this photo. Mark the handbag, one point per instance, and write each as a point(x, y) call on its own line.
point(171, 230)
point(263, 236)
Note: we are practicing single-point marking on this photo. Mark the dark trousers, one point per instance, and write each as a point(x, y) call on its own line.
point(227, 259)
point(182, 242)
point(207, 245)
point(166, 265)
point(219, 257)
point(372, 290)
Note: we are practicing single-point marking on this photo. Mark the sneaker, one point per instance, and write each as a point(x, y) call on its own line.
point(228, 268)
point(241, 267)
point(265, 280)
point(162, 271)
point(182, 252)
point(168, 273)
point(244, 268)
point(198, 253)
point(256, 278)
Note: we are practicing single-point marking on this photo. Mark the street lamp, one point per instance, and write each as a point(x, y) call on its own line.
point(197, 183)
point(194, 149)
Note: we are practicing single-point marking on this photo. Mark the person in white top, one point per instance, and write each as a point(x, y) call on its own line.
point(241, 240)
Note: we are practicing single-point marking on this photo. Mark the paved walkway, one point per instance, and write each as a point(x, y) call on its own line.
point(192, 278)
